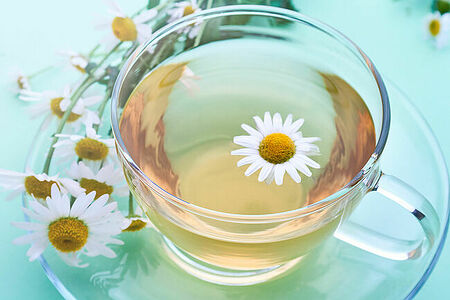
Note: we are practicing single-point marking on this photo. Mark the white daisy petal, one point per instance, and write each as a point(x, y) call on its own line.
point(265, 171)
point(290, 169)
point(279, 174)
point(246, 141)
point(296, 125)
point(260, 125)
point(288, 121)
point(300, 165)
point(268, 123)
point(252, 132)
point(244, 151)
point(277, 122)
point(247, 160)
point(146, 16)
point(308, 161)
point(254, 167)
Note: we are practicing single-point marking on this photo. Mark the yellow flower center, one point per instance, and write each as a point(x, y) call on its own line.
point(277, 148)
point(56, 110)
point(68, 234)
point(434, 27)
point(21, 82)
point(100, 188)
point(37, 188)
point(91, 149)
point(188, 10)
point(135, 225)
point(124, 29)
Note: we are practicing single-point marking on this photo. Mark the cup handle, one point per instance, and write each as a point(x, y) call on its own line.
point(385, 246)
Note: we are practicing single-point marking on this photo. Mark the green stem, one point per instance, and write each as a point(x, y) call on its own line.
point(130, 205)
point(74, 99)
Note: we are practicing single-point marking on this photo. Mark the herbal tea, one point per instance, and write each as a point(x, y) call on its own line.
point(180, 122)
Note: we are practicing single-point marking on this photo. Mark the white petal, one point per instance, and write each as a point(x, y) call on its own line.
point(279, 174)
point(72, 259)
point(290, 169)
point(88, 101)
point(80, 205)
point(308, 161)
point(30, 226)
point(310, 139)
point(105, 173)
point(252, 132)
point(265, 171)
point(260, 125)
point(296, 126)
point(246, 141)
point(268, 123)
point(255, 166)
point(247, 160)
point(245, 151)
point(299, 164)
point(145, 16)
point(37, 248)
point(277, 122)
point(41, 210)
point(288, 121)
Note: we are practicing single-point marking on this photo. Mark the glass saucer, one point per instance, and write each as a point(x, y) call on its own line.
point(335, 270)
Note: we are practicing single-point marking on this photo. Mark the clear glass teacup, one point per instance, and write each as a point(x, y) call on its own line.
point(241, 249)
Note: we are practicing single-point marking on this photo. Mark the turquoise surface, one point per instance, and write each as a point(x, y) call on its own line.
point(391, 33)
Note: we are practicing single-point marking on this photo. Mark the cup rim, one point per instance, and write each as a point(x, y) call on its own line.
point(255, 10)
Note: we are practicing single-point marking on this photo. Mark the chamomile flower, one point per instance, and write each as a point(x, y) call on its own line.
point(136, 222)
point(20, 81)
point(106, 181)
point(183, 9)
point(437, 28)
point(276, 148)
point(75, 60)
point(123, 28)
point(36, 185)
point(89, 148)
point(86, 227)
point(54, 105)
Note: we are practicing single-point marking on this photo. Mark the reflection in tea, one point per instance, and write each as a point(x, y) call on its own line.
point(179, 130)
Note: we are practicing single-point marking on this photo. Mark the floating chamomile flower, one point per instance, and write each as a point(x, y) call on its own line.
point(437, 27)
point(183, 9)
point(36, 185)
point(76, 60)
point(86, 227)
point(89, 148)
point(106, 181)
point(54, 105)
point(136, 222)
point(126, 29)
point(276, 148)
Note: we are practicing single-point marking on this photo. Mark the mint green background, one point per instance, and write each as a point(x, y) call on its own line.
point(391, 33)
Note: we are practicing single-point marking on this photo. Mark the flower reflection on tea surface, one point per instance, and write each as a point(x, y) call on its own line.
point(276, 148)
point(437, 28)
point(86, 227)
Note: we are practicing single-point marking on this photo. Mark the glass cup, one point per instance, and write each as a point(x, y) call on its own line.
point(234, 249)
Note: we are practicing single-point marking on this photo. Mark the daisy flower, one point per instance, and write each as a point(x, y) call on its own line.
point(183, 9)
point(90, 148)
point(106, 181)
point(276, 148)
point(36, 185)
point(20, 81)
point(86, 227)
point(54, 105)
point(437, 28)
point(136, 222)
point(123, 28)
point(76, 60)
